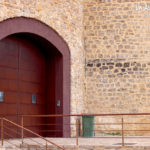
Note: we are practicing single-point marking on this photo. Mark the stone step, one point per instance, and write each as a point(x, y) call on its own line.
point(84, 148)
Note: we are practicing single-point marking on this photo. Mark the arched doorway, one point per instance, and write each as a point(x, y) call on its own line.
point(34, 73)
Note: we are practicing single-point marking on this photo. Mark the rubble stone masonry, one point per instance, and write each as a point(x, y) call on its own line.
point(109, 42)
point(65, 17)
point(117, 49)
point(117, 52)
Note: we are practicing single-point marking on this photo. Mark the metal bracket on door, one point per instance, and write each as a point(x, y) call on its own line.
point(58, 103)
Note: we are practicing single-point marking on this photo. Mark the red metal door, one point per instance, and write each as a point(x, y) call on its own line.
point(32, 76)
point(9, 80)
point(22, 80)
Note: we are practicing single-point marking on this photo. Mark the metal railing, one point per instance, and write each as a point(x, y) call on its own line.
point(34, 127)
point(124, 124)
point(18, 136)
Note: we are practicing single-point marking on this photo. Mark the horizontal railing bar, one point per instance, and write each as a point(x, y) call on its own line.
point(70, 115)
point(72, 124)
point(50, 131)
point(47, 125)
point(73, 115)
point(116, 130)
point(36, 125)
point(89, 130)
point(135, 123)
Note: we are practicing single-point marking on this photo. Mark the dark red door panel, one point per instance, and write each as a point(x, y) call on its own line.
point(9, 79)
point(31, 80)
point(22, 74)
point(32, 72)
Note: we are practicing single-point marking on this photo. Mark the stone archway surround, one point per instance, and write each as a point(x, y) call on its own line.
point(27, 25)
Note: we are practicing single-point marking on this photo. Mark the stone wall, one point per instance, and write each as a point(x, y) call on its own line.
point(117, 49)
point(65, 17)
point(110, 56)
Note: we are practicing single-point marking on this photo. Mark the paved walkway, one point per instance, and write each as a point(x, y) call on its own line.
point(100, 141)
point(105, 141)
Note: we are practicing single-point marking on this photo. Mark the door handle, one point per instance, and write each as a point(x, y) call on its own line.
point(58, 103)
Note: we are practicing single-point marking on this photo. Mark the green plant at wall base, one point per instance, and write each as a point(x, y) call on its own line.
point(113, 133)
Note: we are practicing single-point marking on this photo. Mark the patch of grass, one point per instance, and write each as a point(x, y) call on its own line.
point(113, 133)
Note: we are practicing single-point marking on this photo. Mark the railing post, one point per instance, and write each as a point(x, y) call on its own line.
point(77, 132)
point(46, 146)
point(2, 131)
point(122, 131)
point(22, 131)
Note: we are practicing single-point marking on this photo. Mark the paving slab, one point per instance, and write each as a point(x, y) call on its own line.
point(98, 141)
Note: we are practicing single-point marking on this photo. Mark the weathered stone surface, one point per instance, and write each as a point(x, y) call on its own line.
point(65, 17)
point(109, 47)
point(122, 30)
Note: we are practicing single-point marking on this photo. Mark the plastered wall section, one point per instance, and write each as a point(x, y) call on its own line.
point(65, 17)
